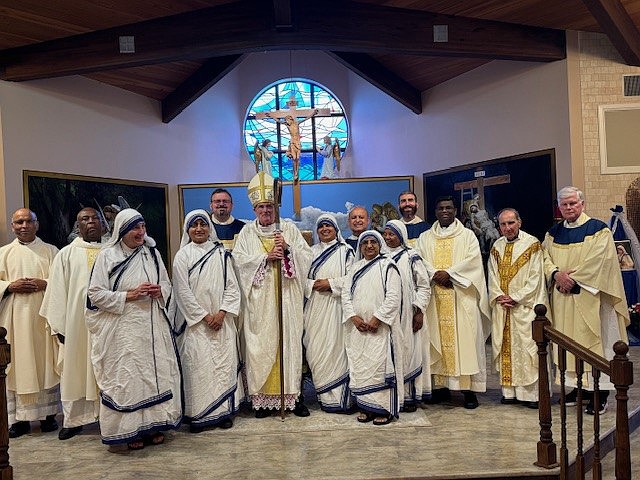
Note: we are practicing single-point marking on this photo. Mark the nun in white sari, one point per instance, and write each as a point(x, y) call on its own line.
point(132, 347)
point(207, 295)
point(371, 309)
point(323, 332)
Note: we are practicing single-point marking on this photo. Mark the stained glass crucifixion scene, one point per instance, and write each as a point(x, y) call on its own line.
point(314, 134)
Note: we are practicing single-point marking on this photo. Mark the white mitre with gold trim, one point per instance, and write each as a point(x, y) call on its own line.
point(260, 189)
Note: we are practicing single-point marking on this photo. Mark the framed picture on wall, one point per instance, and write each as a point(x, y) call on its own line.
point(379, 195)
point(480, 190)
point(56, 198)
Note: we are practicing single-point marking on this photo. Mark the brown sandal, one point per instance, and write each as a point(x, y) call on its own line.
point(154, 439)
point(136, 445)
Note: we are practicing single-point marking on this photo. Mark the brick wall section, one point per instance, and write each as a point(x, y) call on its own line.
point(601, 71)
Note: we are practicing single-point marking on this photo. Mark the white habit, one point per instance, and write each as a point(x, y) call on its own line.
point(133, 351)
point(323, 331)
point(204, 283)
point(373, 289)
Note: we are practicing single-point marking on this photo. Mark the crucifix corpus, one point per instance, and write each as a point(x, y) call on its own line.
point(291, 117)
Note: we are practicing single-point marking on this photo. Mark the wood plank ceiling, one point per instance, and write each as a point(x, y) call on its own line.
point(183, 47)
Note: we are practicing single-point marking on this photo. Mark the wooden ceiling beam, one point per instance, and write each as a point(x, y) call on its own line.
point(619, 27)
point(248, 26)
point(283, 15)
point(379, 76)
point(202, 80)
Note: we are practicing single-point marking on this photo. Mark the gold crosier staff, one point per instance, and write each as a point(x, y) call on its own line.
point(277, 201)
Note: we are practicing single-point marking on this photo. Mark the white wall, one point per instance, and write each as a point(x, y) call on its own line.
point(76, 125)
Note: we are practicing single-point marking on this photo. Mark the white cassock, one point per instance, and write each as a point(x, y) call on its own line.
point(32, 379)
point(133, 352)
point(373, 289)
point(259, 307)
point(458, 317)
point(204, 283)
point(516, 268)
point(64, 308)
point(416, 292)
point(323, 331)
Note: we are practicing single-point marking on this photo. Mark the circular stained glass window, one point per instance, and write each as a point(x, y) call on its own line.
point(269, 138)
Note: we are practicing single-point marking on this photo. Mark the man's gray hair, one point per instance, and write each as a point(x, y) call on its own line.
point(568, 191)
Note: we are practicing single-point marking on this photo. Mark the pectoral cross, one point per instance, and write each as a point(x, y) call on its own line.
point(289, 117)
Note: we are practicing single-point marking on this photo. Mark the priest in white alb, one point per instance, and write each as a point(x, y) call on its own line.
point(32, 380)
point(516, 285)
point(259, 248)
point(458, 312)
point(64, 307)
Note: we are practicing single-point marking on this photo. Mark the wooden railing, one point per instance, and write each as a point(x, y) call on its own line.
point(620, 371)
point(6, 472)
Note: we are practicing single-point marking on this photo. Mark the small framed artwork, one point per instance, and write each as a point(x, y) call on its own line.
point(625, 257)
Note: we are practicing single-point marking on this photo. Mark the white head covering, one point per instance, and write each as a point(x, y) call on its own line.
point(125, 221)
point(398, 227)
point(327, 218)
point(370, 234)
point(189, 220)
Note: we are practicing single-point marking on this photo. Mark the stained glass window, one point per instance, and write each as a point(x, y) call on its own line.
point(273, 135)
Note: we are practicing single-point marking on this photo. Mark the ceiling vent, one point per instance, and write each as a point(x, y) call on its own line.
point(631, 85)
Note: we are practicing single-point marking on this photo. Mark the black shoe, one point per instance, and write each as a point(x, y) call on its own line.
point(300, 410)
point(470, 400)
point(18, 429)
point(49, 424)
point(263, 413)
point(409, 408)
point(439, 395)
point(226, 424)
point(604, 396)
point(532, 405)
point(509, 401)
point(571, 398)
point(67, 433)
point(196, 428)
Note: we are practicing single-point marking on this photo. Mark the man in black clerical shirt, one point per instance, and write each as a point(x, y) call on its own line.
point(408, 206)
point(227, 227)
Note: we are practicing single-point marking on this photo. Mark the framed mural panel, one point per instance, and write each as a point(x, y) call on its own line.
point(525, 182)
point(56, 198)
point(379, 195)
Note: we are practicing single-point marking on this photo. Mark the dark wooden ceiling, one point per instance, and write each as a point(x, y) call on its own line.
point(183, 47)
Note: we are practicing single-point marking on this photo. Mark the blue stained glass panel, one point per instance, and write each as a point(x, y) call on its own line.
point(312, 130)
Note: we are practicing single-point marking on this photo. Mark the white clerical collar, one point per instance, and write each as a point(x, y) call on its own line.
point(416, 219)
point(218, 222)
point(517, 237)
point(579, 221)
point(448, 228)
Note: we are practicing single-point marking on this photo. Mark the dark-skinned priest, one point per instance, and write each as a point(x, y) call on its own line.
point(458, 312)
point(260, 248)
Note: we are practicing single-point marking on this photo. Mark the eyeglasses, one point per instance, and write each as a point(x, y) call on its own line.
point(225, 202)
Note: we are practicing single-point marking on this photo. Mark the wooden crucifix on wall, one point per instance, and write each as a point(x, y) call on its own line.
point(479, 183)
point(291, 117)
